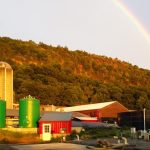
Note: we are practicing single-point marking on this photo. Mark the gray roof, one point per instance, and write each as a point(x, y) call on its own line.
point(56, 116)
point(47, 114)
point(93, 124)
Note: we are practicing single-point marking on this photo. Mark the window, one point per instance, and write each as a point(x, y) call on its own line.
point(46, 129)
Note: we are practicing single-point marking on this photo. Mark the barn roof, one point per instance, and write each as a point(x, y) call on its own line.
point(88, 106)
point(87, 118)
point(82, 116)
point(56, 116)
point(78, 114)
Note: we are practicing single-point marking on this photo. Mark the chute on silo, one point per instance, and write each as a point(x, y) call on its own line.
point(29, 112)
point(2, 114)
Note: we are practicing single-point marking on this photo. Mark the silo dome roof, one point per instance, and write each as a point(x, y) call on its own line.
point(5, 65)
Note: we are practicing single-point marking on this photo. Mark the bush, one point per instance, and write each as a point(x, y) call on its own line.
point(103, 132)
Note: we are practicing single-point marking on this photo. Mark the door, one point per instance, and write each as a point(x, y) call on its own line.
point(46, 136)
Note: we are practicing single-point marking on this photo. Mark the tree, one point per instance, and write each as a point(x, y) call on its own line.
point(71, 95)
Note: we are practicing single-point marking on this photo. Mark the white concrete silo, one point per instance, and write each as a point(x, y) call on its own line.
point(6, 84)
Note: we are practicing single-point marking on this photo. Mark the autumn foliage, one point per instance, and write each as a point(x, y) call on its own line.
point(58, 76)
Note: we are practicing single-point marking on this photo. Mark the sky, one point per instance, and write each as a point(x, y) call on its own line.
point(113, 28)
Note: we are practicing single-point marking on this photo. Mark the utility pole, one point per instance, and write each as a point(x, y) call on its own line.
point(144, 120)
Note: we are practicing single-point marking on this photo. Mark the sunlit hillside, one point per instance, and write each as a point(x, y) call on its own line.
point(59, 76)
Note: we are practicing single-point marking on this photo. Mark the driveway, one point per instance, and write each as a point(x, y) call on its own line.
point(51, 146)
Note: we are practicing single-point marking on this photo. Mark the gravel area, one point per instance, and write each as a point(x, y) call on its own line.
point(139, 144)
point(6, 147)
point(51, 146)
point(134, 144)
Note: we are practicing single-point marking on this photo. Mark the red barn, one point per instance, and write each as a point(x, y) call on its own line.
point(55, 123)
point(106, 111)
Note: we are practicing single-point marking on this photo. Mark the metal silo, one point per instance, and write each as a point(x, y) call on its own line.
point(29, 112)
point(2, 114)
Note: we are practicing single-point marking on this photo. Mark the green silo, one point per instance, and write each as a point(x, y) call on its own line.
point(29, 112)
point(2, 114)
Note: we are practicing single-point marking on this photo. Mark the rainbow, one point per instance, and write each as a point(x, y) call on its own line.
point(133, 18)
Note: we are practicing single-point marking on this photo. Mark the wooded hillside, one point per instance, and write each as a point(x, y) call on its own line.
point(58, 76)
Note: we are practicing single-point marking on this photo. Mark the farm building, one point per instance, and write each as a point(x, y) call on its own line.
point(12, 118)
point(47, 108)
point(135, 119)
point(55, 123)
point(106, 111)
point(76, 116)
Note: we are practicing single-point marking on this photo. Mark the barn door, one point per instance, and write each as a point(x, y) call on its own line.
point(46, 132)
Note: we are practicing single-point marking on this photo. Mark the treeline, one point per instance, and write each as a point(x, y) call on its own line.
point(58, 76)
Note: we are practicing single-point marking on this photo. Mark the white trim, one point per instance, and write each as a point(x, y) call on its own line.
point(46, 136)
point(87, 118)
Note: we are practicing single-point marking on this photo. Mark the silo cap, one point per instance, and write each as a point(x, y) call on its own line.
point(5, 65)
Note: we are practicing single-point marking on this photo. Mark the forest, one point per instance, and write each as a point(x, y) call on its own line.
point(62, 77)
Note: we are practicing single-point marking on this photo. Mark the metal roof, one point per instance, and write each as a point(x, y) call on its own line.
point(81, 116)
point(56, 116)
point(78, 114)
point(87, 107)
